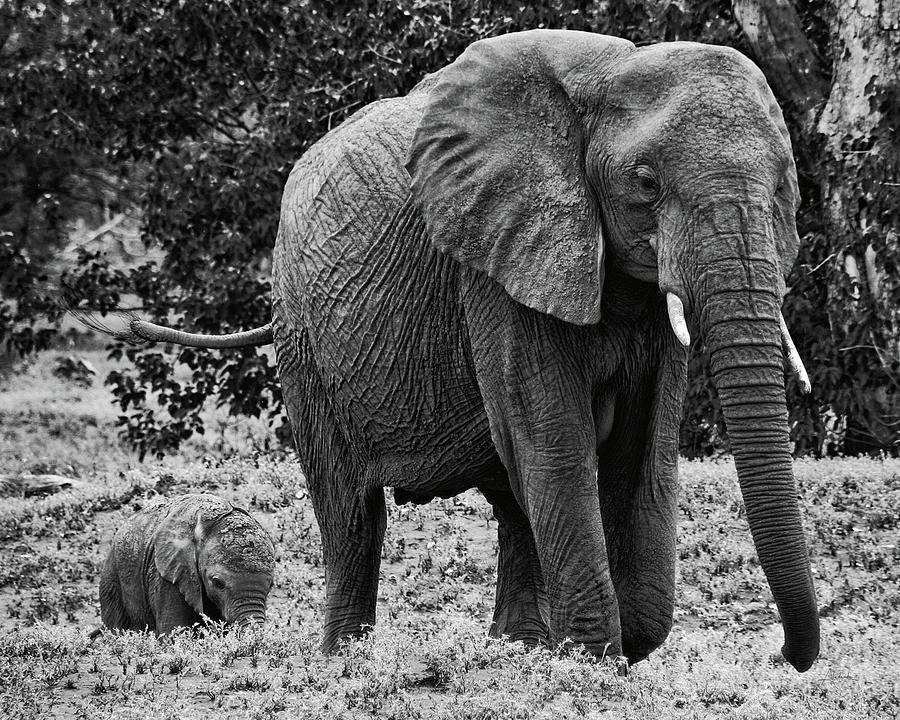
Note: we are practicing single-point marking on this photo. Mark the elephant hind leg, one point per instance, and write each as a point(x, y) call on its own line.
point(352, 537)
point(350, 513)
point(521, 609)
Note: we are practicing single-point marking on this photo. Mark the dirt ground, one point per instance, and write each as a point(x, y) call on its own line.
point(429, 656)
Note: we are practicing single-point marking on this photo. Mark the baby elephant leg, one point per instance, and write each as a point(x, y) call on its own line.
point(170, 609)
point(112, 606)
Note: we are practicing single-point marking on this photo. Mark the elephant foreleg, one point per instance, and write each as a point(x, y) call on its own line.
point(538, 402)
point(170, 609)
point(637, 475)
point(521, 610)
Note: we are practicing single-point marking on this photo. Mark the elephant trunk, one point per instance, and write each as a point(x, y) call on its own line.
point(251, 617)
point(739, 306)
point(248, 610)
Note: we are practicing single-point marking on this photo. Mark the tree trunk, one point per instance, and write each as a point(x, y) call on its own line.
point(785, 54)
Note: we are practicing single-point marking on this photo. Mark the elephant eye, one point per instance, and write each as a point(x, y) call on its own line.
point(647, 181)
point(218, 583)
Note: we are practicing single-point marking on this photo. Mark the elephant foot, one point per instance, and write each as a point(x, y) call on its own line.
point(339, 631)
point(637, 652)
point(644, 628)
point(601, 650)
point(520, 623)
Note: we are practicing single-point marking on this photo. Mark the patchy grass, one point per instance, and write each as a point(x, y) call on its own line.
point(429, 656)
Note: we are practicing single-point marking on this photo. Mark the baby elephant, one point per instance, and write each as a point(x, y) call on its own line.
point(193, 554)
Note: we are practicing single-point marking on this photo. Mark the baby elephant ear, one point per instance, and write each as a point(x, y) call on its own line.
point(177, 539)
point(498, 166)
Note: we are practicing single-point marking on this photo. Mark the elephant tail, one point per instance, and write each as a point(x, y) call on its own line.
point(139, 331)
point(152, 332)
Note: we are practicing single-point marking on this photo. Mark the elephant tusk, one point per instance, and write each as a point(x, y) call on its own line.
point(793, 358)
point(676, 319)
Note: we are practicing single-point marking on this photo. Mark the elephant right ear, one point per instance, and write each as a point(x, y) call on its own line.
point(498, 166)
point(178, 537)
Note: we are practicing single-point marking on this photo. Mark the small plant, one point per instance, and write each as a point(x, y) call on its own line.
point(175, 664)
point(103, 684)
point(270, 707)
point(254, 682)
point(394, 548)
point(58, 669)
point(75, 369)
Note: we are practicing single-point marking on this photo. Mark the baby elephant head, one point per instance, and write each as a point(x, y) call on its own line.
point(220, 559)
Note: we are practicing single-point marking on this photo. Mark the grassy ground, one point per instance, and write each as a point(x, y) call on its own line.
point(428, 657)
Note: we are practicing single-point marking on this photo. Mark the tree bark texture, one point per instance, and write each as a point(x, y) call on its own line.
point(791, 64)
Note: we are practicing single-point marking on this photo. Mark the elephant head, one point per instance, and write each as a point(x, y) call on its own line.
point(220, 559)
point(549, 159)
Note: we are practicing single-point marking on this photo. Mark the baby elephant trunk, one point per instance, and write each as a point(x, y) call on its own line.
point(248, 605)
point(250, 614)
point(251, 619)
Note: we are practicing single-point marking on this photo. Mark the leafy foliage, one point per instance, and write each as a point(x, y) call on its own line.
point(53, 160)
point(203, 107)
point(844, 299)
point(851, 312)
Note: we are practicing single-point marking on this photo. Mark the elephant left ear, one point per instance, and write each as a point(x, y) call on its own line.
point(498, 166)
point(178, 537)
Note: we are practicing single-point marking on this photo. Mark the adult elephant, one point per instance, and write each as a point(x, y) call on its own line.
point(483, 284)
